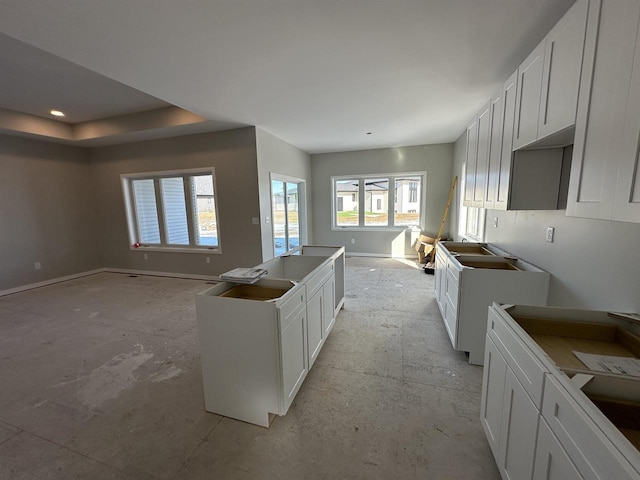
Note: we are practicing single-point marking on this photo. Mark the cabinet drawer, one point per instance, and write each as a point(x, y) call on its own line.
point(315, 282)
point(453, 269)
point(527, 369)
point(451, 322)
point(592, 453)
point(285, 311)
point(451, 289)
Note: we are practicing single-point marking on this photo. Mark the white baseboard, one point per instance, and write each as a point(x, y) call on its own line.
point(380, 255)
point(51, 281)
point(151, 273)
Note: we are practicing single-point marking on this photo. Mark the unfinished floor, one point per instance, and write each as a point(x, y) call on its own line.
point(100, 379)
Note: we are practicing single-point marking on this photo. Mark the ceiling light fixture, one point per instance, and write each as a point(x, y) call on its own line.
point(57, 113)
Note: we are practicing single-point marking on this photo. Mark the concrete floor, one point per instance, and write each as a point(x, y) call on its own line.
point(100, 379)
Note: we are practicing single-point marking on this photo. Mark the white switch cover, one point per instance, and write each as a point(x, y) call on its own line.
point(255, 220)
point(549, 237)
point(267, 219)
point(495, 222)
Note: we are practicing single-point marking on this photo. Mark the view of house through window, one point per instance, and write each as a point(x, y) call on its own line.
point(172, 209)
point(403, 209)
point(347, 196)
point(286, 205)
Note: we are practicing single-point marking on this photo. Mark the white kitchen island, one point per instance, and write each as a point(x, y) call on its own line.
point(259, 341)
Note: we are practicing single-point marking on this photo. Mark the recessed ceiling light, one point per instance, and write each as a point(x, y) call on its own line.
point(57, 113)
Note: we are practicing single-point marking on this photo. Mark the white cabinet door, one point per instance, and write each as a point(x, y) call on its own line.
point(627, 198)
point(518, 432)
point(493, 377)
point(602, 104)
point(472, 156)
point(552, 461)
point(495, 149)
point(440, 272)
point(482, 157)
point(561, 72)
point(293, 355)
point(315, 330)
point(328, 300)
point(503, 168)
point(528, 98)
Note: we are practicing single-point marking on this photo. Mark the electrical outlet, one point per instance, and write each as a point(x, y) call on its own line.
point(495, 222)
point(37, 266)
point(549, 237)
point(353, 241)
point(146, 257)
point(207, 259)
point(255, 220)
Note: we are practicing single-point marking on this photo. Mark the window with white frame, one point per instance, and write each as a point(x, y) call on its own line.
point(361, 201)
point(174, 210)
point(471, 219)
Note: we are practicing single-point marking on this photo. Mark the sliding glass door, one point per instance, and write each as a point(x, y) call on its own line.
point(287, 206)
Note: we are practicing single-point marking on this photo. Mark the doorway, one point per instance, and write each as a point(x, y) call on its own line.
point(288, 213)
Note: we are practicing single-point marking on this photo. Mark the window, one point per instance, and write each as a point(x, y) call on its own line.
point(172, 210)
point(381, 210)
point(287, 209)
point(407, 201)
point(471, 219)
point(346, 193)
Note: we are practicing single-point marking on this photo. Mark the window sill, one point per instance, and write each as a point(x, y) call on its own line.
point(201, 250)
point(395, 228)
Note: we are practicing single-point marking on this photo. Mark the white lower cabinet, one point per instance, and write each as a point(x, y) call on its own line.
point(328, 300)
point(467, 283)
point(546, 415)
point(315, 329)
point(552, 461)
point(518, 430)
point(495, 371)
point(508, 416)
point(293, 354)
point(321, 317)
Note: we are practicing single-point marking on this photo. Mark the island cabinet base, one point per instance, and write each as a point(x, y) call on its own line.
point(259, 341)
point(548, 415)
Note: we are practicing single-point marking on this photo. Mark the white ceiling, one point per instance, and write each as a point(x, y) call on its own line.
point(318, 74)
point(33, 81)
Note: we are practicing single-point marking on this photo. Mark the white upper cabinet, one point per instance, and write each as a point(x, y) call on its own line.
point(563, 48)
point(472, 156)
point(603, 171)
point(502, 172)
point(482, 157)
point(495, 149)
point(549, 81)
point(528, 98)
point(627, 199)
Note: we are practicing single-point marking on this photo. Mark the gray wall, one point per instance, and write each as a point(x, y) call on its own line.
point(594, 263)
point(232, 153)
point(47, 212)
point(277, 156)
point(459, 158)
point(436, 160)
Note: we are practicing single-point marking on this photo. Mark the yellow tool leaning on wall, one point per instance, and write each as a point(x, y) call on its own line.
point(430, 266)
